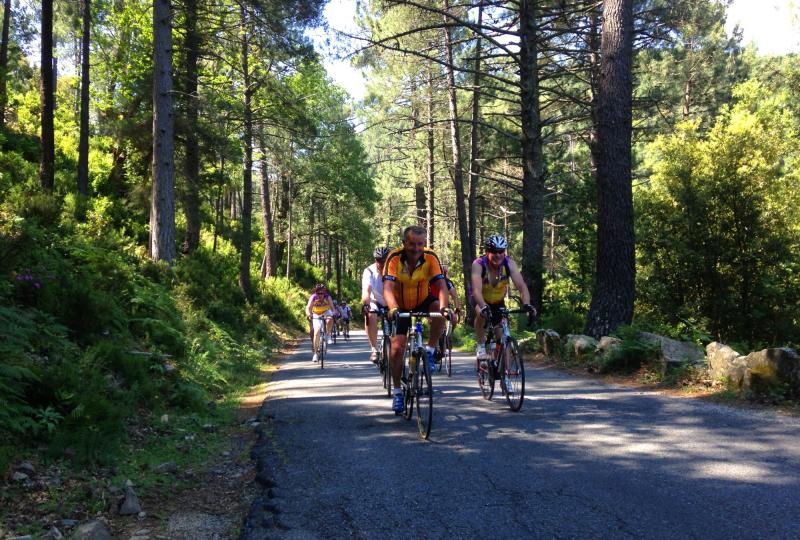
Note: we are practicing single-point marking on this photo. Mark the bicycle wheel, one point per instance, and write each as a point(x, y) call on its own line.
point(486, 376)
point(408, 390)
point(439, 353)
point(448, 356)
point(334, 332)
point(512, 372)
point(321, 348)
point(423, 395)
point(387, 372)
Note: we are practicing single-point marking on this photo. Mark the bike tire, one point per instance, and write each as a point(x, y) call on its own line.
point(333, 333)
point(387, 371)
point(512, 372)
point(448, 357)
point(423, 395)
point(439, 353)
point(408, 395)
point(486, 375)
point(322, 351)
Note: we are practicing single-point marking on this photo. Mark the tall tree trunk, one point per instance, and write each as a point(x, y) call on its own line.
point(268, 266)
point(532, 154)
point(83, 142)
point(247, 173)
point(289, 227)
point(455, 140)
point(338, 251)
point(4, 62)
point(191, 194)
point(310, 237)
point(162, 203)
point(474, 166)
point(614, 291)
point(47, 87)
point(430, 208)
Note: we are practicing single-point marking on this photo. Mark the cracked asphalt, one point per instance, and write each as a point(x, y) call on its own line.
point(580, 460)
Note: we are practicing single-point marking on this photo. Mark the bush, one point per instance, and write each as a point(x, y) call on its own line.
point(563, 320)
point(631, 354)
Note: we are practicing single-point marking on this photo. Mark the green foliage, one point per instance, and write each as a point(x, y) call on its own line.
point(562, 319)
point(766, 386)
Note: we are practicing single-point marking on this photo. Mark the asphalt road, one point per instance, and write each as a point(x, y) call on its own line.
point(580, 460)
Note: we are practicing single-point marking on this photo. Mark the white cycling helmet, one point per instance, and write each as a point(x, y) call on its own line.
point(495, 241)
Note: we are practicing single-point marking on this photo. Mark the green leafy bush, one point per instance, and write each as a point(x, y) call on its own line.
point(631, 354)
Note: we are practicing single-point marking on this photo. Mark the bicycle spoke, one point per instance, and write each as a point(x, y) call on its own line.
point(513, 374)
point(424, 398)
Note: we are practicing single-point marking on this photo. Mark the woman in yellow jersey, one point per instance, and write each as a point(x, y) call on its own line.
point(320, 310)
point(490, 276)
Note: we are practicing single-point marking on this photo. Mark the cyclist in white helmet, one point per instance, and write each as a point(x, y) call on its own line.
point(491, 273)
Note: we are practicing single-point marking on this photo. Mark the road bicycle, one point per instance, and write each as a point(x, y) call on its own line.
point(416, 378)
point(322, 344)
point(444, 352)
point(504, 363)
point(346, 329)
point(385, 350)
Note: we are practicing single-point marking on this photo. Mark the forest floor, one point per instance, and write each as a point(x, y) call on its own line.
point(206, 496)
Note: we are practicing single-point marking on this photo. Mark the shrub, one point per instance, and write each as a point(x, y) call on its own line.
point(631, 354)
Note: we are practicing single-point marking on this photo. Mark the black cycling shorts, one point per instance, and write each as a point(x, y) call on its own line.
point(496, 315)
point(404, 323)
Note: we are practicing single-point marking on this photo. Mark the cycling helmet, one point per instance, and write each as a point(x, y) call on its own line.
point(495, 241)
point(319, 287)
point(380, 253)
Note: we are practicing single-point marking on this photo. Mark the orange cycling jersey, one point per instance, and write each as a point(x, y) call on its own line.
point(411, 287)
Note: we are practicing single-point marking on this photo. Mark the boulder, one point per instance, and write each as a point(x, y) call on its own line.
point(607, 344)
point(720, 358)
point(783, 362)
point(580, 347)
point(550, 342)
point(130, 504)
point(674, 352)
point(93, 530)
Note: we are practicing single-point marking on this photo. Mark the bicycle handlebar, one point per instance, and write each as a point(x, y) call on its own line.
point(409, 314)
point(506, 311)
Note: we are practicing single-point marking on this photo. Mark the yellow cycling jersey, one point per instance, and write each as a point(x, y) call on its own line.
point(412, 288)
point(320, 303)
point(494, 293)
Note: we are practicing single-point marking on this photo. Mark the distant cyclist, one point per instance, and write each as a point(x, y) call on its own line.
point(410, 272)
point(346, 313)
point(372, 297)
point(319, 307)
point(452, 292)
point(491, 273)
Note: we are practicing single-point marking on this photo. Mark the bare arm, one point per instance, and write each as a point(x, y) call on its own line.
point(477, 285)
point(388, 294)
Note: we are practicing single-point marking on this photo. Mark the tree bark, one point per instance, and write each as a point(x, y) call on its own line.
point(474, 167)
point(162, 204)
point(430, 205)
point(532, 154)
point(83, 142)
point(268, 265)
point(191, 196)
point(47, 87)
point(614, 292)
point(4, 62)
point(247, 173)
point(455, 140)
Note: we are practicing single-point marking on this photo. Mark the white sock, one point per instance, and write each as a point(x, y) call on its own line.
point(398, 391)
point(429, 348)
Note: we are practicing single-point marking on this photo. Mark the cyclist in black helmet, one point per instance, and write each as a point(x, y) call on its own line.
point(372, 297)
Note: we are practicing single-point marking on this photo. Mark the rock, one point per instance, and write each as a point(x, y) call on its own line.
point(719, 357)
point(783, 362)
point(674, 352)
point(580, 347)
point(130, 504)
point(167, 467)
point(141, 515)
point(607, 344)
point(93, 530)
point(209, 428)
point(26, 467)
point(53, 534)
point(528, 344)
point(68, 523)
point(549, 341)
point(19, 477)
point(164, 418)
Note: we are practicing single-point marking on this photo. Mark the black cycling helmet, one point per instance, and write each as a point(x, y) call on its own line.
point(380, 253)
point(495, 241)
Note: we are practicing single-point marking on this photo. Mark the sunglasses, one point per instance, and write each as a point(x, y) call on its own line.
point(496, 251)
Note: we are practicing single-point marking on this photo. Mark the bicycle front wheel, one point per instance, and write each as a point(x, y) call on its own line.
point(408, 389)
point(485, 378)
point(385, 366)
point(423, 395)
point(321, 354)
point(448, 356)
point(513, 375)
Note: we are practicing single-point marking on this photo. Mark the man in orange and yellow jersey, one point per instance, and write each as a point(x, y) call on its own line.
point(408, 273)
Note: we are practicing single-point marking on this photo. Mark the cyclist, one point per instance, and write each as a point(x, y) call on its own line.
point(346, 313)
point(453, 294)
point(372, 297)
point(408, 274)
point(318, 309)
point(491, 273)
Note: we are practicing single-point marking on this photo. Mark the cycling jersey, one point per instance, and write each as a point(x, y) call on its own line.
point(435, 286)
point(494, 294)
point(372, 279)
point(412, 288)
point(320, 303)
